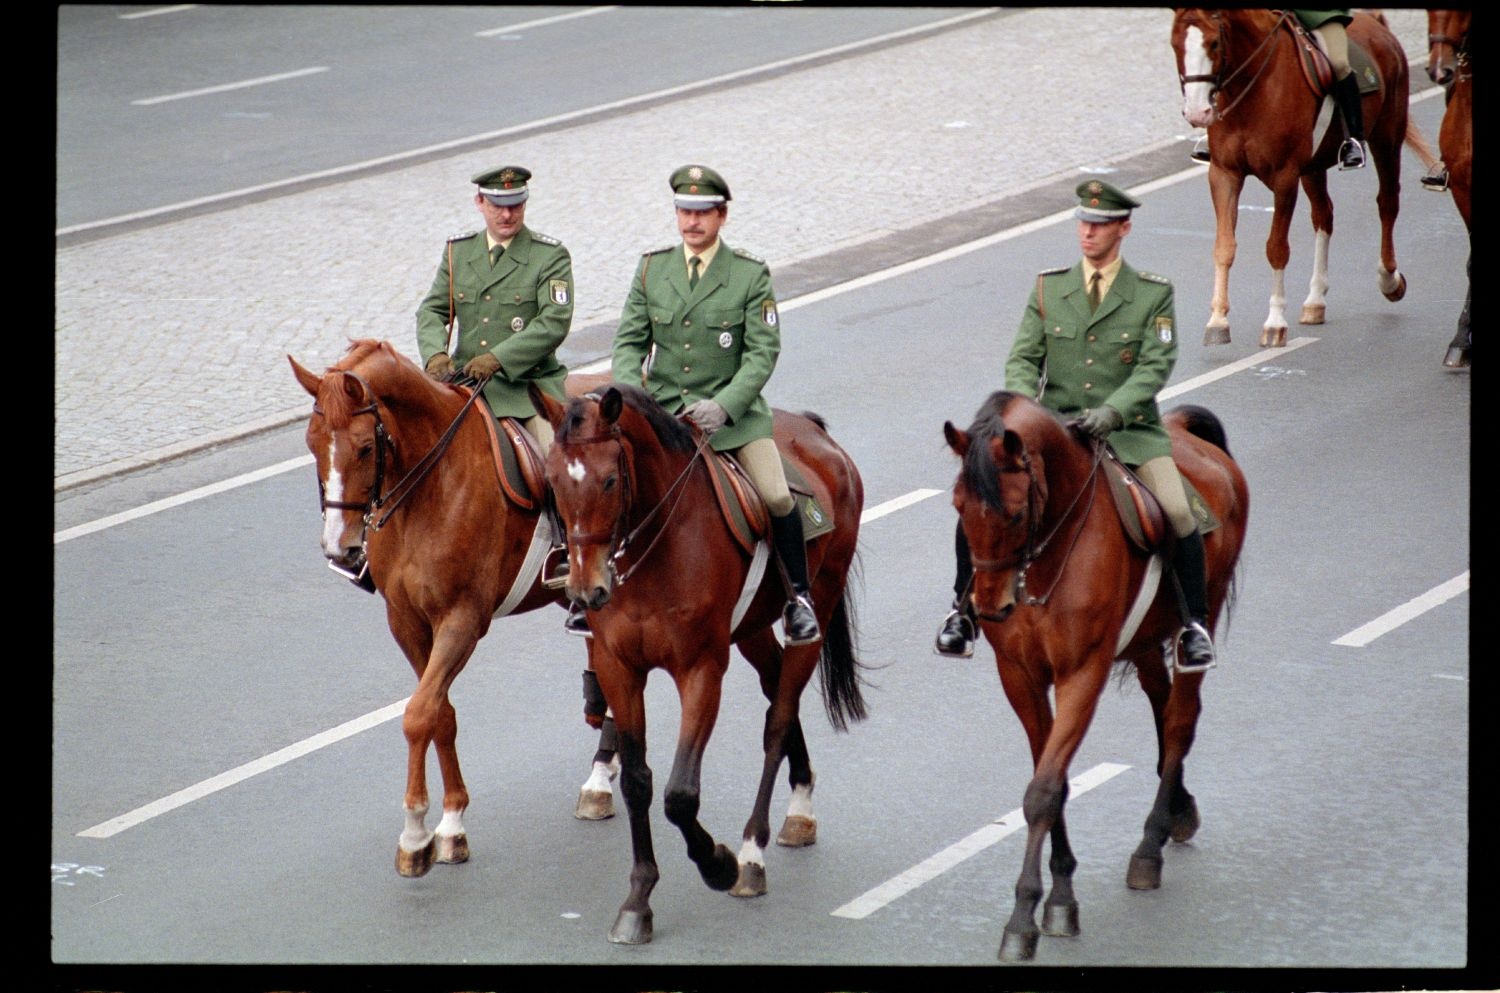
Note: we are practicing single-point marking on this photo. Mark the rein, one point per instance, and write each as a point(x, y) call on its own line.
point(1218, 82)
point(1034, 549)
point(621, 543)
point(404, 487)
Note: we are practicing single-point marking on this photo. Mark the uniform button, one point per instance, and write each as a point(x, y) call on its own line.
point(518, 298)
point(724, 325)
point(487, 298)
point(1088, 361)
point(687, 368)
point(1140, 417)
point(460, 295)
point(687, 346)
point(1057, 330)
point(1088, 386)
point(687, 324)
point(1125, 336)
point(684, 391)
point(485, 321)
point(483, 343)
point(1093, 338)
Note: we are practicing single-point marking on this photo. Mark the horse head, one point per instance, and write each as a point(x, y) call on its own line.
point(611, 456)
point(1447, 41)
point(1197, 41)
point(1000, 495)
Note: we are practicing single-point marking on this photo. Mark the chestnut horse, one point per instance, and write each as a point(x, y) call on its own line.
point(1061, 594)
point(1241, 79)
point(410, 492)
point(667, 586)
point(1449, 64)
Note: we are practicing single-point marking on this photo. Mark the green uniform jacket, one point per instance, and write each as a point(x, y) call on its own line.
point(718, 341)
point(1317, 18)
point(519, 310)
point(1121, 355)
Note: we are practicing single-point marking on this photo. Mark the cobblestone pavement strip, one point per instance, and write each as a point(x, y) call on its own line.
point(202, 312)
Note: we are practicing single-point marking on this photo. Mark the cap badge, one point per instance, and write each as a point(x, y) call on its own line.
point(1095, 188)
point(695, 173)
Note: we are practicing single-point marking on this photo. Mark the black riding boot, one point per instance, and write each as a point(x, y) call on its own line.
point(1346, 95)
point(577, 621)
point(956, 637)
point(799, 623)
point(1192, 584)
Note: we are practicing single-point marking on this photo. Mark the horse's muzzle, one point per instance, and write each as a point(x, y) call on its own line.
point(996, 616)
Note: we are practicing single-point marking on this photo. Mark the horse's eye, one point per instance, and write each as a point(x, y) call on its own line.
point(609, 483)
point(365, 451)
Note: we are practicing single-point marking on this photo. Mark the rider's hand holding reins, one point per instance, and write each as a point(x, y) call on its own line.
point(1098, 422)
point(707, 415)
point(440, 365)
point(482, 366)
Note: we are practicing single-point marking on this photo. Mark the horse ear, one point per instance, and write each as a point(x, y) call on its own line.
point(957, 440)
point(609, 407)
point(545, 405)
point(310, 381)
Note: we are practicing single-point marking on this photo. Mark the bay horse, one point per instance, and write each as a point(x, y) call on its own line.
point(1449, 64)
point(1062, 594)
point(410, 492)
point(1241, 78)
point(668, 586)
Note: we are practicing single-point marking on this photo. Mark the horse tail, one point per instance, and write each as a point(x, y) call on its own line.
point(840, 666)
point(1418, 143)
point(816, 419)
point(1203, 423)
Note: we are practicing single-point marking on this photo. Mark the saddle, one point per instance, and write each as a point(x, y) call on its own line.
point(518, 462)
point(1140, 512)
point(1318, 72)
point(744, 511)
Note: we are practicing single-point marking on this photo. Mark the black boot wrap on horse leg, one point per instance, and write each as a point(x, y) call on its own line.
point(594, 704)
point(798, 620)
point(1190, 573)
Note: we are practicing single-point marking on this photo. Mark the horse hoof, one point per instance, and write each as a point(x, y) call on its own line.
point(752, 881)
point(631, 928)
point(1457, 357)
point(452, 848)
point(1273, 338)
point(594, 805)
point(415, 864)
point(1145, 872)
point(1018, 947)
point(1312, 313)
point(1060, 919)
point(1399, 291)
point(1216, 336)
point(722, 870)
point(1186, 824)
point(798, 831)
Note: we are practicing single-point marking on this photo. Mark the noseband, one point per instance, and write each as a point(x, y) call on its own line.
point(1035, 546)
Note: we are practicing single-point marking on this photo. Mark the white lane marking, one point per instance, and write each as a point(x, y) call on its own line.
point(929, 869)
point(524, 25)
point(225, 87)
point(167, 503)
point(176, 8)
point(899, 503)
point(1411, 609)
point(115, 825)
point(628, 102)
point(1264, 358)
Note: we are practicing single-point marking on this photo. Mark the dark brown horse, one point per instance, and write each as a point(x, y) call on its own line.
point(1060, 591)
point(668, 587)
point(424, 512)
point(1450, 64)
point(1241, 79)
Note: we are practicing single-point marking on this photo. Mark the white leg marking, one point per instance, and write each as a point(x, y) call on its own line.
point(1389, 281)
point(1318, 286)
point(752, 854)
point(416, 836)
point(801, 804)
point(1276, 318)
point(452, 824)
point(598, 781)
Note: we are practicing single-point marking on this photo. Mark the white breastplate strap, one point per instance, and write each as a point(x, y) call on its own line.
point(1143, 599)
point(752, 583)
point(536, 554)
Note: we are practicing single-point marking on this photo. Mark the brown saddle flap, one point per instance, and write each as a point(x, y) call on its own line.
point(1140, 511)
point(518, 462)
point(745, 512)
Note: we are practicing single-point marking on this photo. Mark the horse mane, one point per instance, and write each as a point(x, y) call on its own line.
point(673, 434)
point(1038, 425)
point(334, 401)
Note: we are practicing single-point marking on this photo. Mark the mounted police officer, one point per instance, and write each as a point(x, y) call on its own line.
point(1329, 28)
point(1098, 340)
point(510, 291)
point(700, 331)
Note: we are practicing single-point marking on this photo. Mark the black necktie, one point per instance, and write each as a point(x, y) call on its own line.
point(693, 264)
